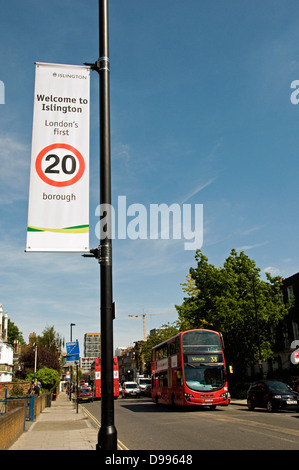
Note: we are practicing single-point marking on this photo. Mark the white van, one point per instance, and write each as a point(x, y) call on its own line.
point(144, 383)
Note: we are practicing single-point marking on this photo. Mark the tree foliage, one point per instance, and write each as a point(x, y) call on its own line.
point(234, 300)
point(45, 358)
point(14, 334)
point(49, 378)
point(50, 339)
point(47, 348)
point(144, 348)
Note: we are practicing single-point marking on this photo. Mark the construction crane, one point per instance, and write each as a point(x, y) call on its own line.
point(143, 315)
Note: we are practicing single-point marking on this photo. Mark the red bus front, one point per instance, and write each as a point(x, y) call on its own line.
point(189, 369)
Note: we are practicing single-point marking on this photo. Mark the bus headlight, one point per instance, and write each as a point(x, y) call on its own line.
point(224, 396)
point(188, 396)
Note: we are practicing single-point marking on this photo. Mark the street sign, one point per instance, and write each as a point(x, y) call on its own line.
point(72, 352)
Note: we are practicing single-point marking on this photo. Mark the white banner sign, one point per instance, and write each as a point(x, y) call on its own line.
point(58, 211)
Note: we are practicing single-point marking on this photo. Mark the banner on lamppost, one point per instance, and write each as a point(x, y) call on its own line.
point(58, 209)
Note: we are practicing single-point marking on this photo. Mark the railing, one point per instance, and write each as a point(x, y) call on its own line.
point(28, 408)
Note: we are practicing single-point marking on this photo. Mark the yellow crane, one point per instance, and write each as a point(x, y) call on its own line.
point(143, 315)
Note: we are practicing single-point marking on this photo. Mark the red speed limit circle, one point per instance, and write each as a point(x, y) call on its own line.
point(69, 164)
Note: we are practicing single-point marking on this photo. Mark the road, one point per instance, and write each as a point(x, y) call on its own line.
point(142, 425)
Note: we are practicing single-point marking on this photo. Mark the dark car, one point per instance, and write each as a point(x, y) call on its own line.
point(85, 394)
point(272, 395)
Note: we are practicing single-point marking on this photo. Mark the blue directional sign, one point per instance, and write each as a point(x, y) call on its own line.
point(72, 351)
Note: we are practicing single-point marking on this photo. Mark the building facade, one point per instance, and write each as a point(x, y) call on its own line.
point(127, 365)
point(286, 338)
point(6, 351)
point(92, 350)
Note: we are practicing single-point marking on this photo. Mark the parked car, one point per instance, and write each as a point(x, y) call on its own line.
point(273, 395)
point(130, 389)
point(85, 394)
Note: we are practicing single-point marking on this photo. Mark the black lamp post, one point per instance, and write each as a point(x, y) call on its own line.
point(107, 437)
point(71, 336)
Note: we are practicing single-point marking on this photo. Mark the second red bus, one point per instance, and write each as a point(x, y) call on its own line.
point(95, 377)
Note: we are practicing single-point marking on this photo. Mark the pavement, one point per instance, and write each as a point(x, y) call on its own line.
point(61, 427)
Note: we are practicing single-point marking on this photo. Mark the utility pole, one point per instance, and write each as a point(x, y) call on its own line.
point(107, 437)
point(71, 369)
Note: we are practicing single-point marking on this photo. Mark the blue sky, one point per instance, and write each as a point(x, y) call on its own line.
point(200, 114)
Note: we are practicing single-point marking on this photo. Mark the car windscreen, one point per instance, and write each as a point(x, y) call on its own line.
point(278, 387)
point(144, 381)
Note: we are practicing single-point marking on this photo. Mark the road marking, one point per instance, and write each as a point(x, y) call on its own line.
point(254, 431)
point(120, 445)
point(269, 427)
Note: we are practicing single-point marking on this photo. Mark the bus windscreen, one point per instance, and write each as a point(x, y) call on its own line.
point(203, 361)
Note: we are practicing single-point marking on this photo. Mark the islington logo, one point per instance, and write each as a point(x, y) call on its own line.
point(159, 221)
point(69, 75)
point(2, 93)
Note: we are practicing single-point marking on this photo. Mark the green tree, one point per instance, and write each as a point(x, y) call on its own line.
point(45, 358)
point(50, 339)
point(144, 348)
point(49, 378)
point(234, 300)
point(14, 334)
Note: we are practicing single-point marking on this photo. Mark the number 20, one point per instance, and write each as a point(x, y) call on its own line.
point(50, 168)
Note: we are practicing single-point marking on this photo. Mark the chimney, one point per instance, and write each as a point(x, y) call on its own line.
point(1, 312)
point(5, 327)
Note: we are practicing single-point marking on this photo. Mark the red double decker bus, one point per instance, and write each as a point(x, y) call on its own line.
point(95, 377)
point(189, 369)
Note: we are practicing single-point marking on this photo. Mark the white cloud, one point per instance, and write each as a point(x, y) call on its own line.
point(272, 270)
point(197, 190)
point(250, 230)
point(250, 247)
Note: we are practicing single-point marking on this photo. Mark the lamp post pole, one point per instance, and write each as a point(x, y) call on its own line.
point(107, 437)
point(71, 333)
point(35, 361)
point(71, 339)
